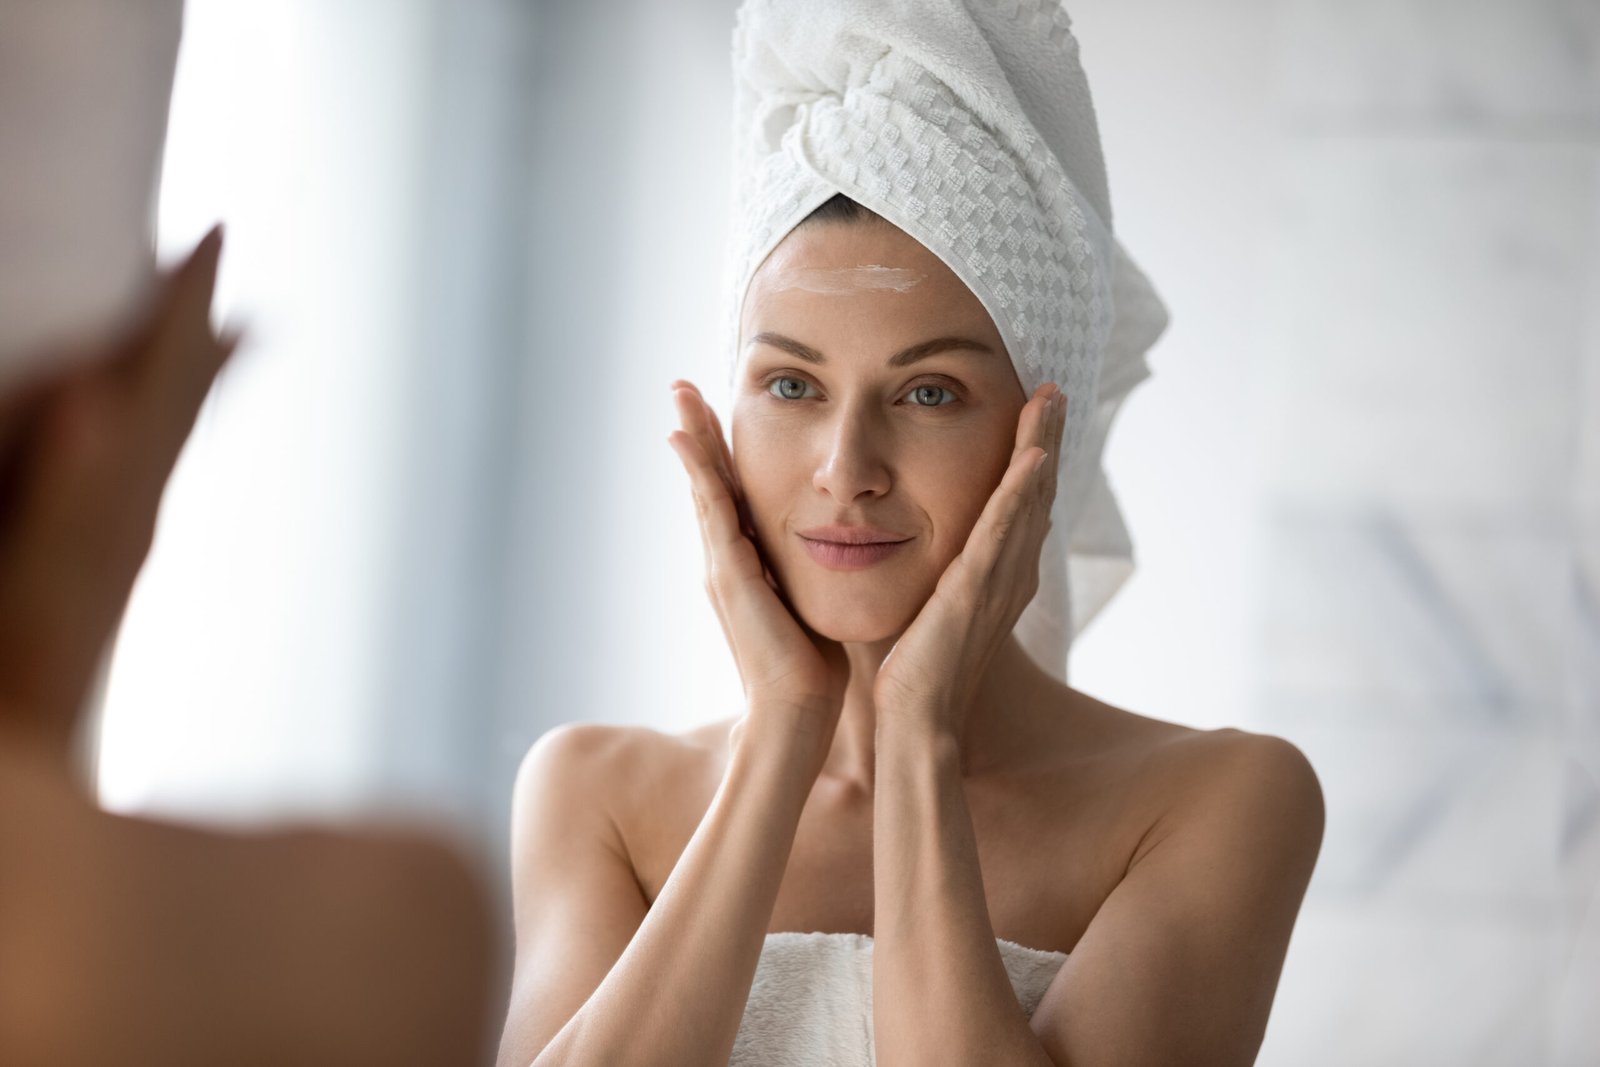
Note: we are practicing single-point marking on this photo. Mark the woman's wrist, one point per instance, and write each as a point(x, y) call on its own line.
point(791, 733)
point(918, 721)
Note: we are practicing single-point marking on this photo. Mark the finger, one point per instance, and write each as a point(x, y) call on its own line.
point(191, 286)
point(1017, 494)
point(1033, 426)
point(727, 447)
point(699, 417)
point(186, 355)
point(1048, 484)
point(732, 562)
point(996, 528)
point(711, 429)
point(694, 414)
point(715, 442)
point(1032, 421)
point(724, 543)
point(176, 413)
point(724, 446)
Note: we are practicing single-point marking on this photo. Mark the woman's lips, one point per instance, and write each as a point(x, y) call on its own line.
point(843, 557)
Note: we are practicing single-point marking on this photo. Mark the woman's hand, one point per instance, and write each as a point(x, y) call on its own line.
point(932, 671)
point(782, 662)
point(81, 483)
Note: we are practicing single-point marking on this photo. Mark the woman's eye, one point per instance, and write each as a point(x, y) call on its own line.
point(787, 388)
point(927, 396)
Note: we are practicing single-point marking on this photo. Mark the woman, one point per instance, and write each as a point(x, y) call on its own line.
point(915, 827)
point(135, 941)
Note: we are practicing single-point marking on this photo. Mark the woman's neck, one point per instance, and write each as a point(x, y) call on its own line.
point(1012, 691)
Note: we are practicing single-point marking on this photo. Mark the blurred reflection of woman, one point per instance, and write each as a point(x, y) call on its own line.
point(134, 941)
point(916, 843)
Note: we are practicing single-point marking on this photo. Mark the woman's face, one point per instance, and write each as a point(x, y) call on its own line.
point(845, 416)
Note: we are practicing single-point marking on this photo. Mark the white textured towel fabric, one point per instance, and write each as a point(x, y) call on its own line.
point(811, 1001)
point(968, 125)
point(84, 91)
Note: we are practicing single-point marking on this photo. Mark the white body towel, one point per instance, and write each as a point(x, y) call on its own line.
point(811, 1001)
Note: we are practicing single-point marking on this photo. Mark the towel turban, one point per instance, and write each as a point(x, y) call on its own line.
point(84, 91)
point(970, 127)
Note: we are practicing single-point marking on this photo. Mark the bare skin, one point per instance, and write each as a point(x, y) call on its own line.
point(138, 942)
point(133, 941)
point(1057, 827)
point(901, 768)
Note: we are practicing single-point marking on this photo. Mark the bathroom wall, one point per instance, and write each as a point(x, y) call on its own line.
point(1378, 224)
point(1363, 481)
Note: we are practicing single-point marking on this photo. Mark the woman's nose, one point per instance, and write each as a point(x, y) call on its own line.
point(852, 461)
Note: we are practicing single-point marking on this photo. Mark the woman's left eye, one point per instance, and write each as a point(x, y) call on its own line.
point(927, 396)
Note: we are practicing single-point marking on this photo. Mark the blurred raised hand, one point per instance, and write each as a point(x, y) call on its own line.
point(84, 460)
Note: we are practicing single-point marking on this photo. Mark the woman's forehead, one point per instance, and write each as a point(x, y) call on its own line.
point(832, 268)
point(845, 245)
point(844, 280)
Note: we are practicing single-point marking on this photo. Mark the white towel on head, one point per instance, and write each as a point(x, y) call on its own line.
point(968, 125)
point(84, 91)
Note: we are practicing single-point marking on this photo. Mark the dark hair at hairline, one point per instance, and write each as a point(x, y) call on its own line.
point(840, 208)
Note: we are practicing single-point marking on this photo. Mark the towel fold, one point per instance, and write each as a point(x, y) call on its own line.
point(811, 1001)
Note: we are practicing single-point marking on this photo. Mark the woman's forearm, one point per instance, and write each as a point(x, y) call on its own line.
point(677, 993)
point(940, 992)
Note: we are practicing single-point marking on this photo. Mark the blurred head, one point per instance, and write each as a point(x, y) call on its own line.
point(831, 429)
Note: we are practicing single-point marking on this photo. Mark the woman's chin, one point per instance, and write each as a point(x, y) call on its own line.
point(859, 627)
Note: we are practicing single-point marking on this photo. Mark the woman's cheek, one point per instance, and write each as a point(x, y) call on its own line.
point(955, 490)
point(760, 466)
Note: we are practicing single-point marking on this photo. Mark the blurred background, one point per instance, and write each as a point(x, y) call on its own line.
point(430, 511)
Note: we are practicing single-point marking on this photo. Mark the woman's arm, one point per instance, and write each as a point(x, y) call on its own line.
point(940, 992)
point(1179, 965)
point(603, 978)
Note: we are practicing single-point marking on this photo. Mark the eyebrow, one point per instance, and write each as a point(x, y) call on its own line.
point(902, 358)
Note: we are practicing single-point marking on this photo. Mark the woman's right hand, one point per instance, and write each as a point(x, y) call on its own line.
point(787, 668)
point(81, 480)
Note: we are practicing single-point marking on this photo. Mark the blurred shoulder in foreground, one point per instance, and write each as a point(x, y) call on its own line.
point(138, 942)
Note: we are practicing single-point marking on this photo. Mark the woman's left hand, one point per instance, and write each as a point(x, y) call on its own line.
point(932, 671)
point(81, 484)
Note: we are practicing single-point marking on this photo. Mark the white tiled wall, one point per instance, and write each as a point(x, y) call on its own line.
point(1418, 404)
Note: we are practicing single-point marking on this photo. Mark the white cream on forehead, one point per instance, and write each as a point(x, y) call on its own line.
point(844, 279)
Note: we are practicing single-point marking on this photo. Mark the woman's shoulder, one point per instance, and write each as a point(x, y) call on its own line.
point(646, 786)
point(623, 752)
point(1117, 734)
point(1185, 770)
point(624, 767)
point(293, 912)
point(1224, 757)
point(1162, 767)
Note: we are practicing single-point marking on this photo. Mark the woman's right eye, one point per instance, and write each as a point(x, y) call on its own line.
point(787, 388)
